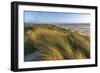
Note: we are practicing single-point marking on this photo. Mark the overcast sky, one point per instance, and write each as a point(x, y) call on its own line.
point(55, 17)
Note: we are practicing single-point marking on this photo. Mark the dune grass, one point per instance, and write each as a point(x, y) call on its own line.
point(56, 43)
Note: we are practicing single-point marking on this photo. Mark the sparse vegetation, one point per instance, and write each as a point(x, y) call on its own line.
point(56, 43)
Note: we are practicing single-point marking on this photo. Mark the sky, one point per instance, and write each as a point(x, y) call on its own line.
point(55, 17)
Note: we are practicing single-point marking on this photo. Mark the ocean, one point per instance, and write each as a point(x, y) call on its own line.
point(75, 26)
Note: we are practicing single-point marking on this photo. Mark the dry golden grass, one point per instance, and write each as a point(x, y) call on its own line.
point(55, 43)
